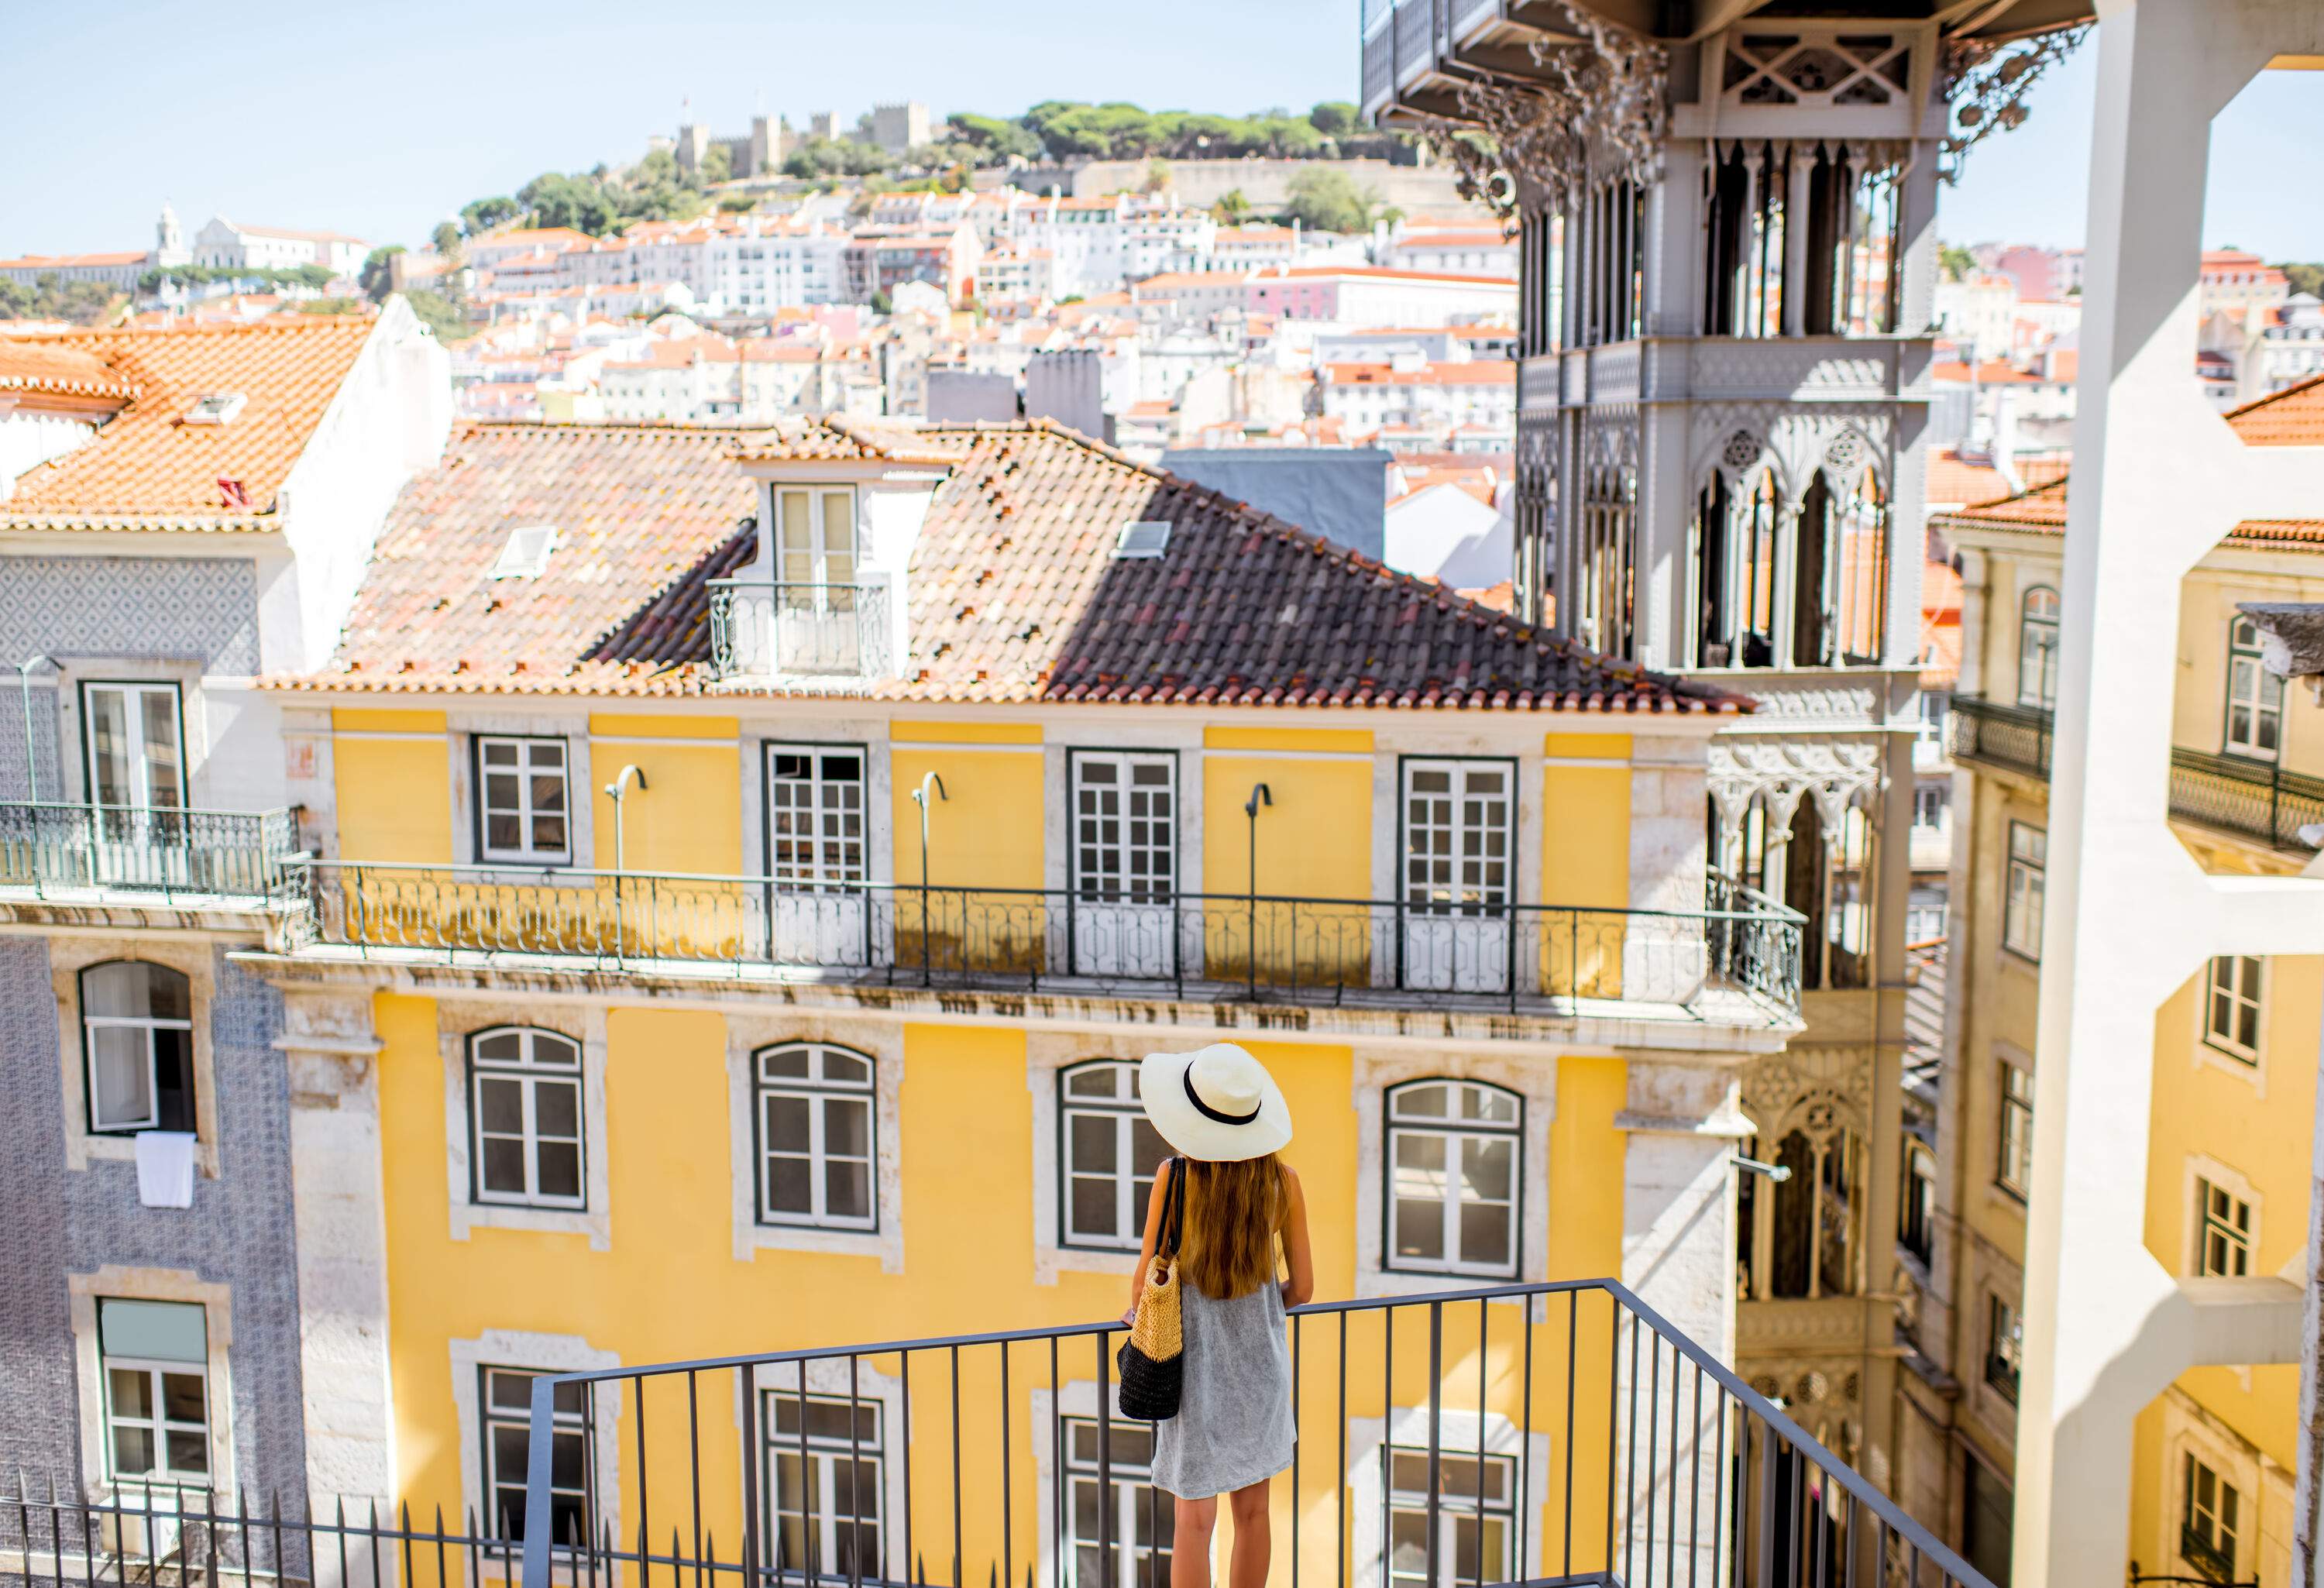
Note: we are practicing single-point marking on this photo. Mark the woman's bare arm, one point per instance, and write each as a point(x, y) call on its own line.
point(1299, 1288)
point(1153, 1234)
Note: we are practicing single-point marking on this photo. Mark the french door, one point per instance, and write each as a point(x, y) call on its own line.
point(816, 620)
point(816, 849)
point(1459, 850)
point(136, 765)
point(1125, 859)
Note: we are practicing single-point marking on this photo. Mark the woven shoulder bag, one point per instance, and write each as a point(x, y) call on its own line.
point(1152, 1361)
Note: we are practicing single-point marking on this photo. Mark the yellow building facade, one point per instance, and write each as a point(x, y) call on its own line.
point(935, 806)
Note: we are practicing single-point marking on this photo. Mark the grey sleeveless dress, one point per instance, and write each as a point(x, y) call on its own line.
point(1234, 1425)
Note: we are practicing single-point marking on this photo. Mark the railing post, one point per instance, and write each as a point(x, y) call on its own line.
point(537, 1473)
point(1436, 1429)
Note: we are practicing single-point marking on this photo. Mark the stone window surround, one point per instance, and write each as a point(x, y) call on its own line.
point(867, 734)
point(143, 1284)
point(1374, 1071)
point(1457, 1431)
point(555, 1354)
point(2189, 1430)
point(1075, 1398)
point(463, 728)
point(2209, 1055)
point(2199, 1167)
point(828, 1376)
point(457, 1020)
point(1997, 1410)
point(1048, 1054)
point(2006, 1053)
point(882, 1042)
point(190, 957)
point(73, 671)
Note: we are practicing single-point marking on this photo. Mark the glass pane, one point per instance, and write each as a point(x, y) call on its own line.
point(1420, 1230)
point(1484, 1234)
point(1095, 1081)
point(1091, 1143)
point(1421, 1101)
point(500, 1046)
point(785, 1062)
point(111, 756)
point(560, 1170)
point(1092, 1207)
point(500, 1104)
point(847, 1190)
point(847, 1069)
point(133, 1393)
point(502, 1170)
point(131, 988)
point(1488, 1170)
point(790, 1187)
point(513, 1391)
point(182, 1397)
point(1479, 1103)
point(788, 1124)
point(567, 1459)
point(132, 1449)
point(123, 1076)
point(557, 1109)
point(189, 1451)
point(159, 714)
point(847, 1127)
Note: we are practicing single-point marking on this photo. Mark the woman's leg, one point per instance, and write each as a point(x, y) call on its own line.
point(1190, 1542)
point(1247, 1567)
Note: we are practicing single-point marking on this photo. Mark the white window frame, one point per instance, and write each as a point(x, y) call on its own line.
point(1930, 802)
point(2025, 890)
point(1460, 1136)
point(2262, 702)
point(159, 1425)
point(531, 1071)
point(1127, 1118)
point(150, 1024)
point(2225, 1234)
point(2013, 1167)
point(1133, 1482)
point(1461, 893)
point(1454, 1506)
point(2037, 648)
point(526, 853)
point(826, 863)
point(564, 1420)
point(113, 1282)
point(824, 1453)
point(1117, 878)
point(814, 560)
point(132, 689)
point(818, 1091)
point(2242, 993)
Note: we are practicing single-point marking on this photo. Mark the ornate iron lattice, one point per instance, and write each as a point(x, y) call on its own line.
point(1988, 86)
point(1600, 116)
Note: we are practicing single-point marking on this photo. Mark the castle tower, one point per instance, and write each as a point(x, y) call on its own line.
point(169, 240)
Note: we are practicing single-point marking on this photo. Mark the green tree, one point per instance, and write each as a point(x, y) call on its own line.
point(482, 215)
point(1232, 208)
point(1157, 175)
point(376, 278)
point(445, 238)
point(717, 166)
point(1956, 265)
point(446, 315)
point(51, 297)
point(995, 141)
point(1335, 118)
point(580, 203)
point(2305, 278)
point(331, 306)
point(1330, 201)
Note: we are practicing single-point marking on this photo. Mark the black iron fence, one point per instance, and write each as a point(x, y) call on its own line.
point(2013, 737)
point(2250, 799)
point(58, 849)
point(759, 628)
point(1745, 948)
point(1544, 1434)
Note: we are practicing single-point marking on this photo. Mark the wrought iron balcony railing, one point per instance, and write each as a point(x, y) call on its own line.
point(761, 629)
point(1739, 958)
point(2015, 738)
point(60, 850)
point(2255, 799)
point(1543, 1434)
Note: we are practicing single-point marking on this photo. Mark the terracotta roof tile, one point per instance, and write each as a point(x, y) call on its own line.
point(49, 366)
point(1015, 595)
point(146, 461)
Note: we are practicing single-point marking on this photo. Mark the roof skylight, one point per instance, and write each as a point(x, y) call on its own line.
point(525, 554)
point(1145, 537)
point(215, 408)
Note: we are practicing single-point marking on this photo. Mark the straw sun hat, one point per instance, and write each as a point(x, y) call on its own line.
point(1217, 1103)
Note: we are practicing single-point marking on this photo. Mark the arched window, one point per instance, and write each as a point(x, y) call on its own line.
point(1735, 565)
point(1107, 1156)
point(525, 1112)
point(1840, 585)
point(1800, 1237)
point(1453, 1177)
point(2255, 696)
point(137, 1034)
point(2037, 648)
point(816, 1136)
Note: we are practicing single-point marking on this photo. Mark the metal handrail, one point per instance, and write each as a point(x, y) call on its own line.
point(1272, 946)
point(1695, 1458)
point(805, 628)
point(55, 845)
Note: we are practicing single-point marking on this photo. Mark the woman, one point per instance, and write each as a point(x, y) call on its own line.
point(1221, 1111)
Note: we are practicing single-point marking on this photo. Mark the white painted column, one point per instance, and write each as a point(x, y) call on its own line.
point(1683, 1121)
point(2158, 479)
point(340, 1212)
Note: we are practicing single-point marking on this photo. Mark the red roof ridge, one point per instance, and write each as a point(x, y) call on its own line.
point(2293, 390)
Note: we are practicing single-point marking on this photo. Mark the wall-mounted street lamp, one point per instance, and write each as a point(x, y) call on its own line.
point(32, 758)
point(930, 783)
point(618, 792)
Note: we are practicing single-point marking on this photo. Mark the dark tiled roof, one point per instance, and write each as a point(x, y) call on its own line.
point(1016, 593)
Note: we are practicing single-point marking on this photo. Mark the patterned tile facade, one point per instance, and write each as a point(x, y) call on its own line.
point(179, 607)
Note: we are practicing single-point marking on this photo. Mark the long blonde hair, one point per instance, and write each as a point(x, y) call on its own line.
point(1233, 1211)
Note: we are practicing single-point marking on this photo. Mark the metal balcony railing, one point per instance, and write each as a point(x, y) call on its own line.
point(56, 849)
point(2013, 737)
point(763, 629)
point(2255, 799)
point(1544, 1434)
point(1739, 958)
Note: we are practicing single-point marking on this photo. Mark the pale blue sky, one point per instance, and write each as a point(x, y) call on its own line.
point(380, 121)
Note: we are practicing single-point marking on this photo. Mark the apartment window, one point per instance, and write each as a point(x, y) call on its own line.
point(157, 1402)
point(1453, 1177)
point(523, 802)
point(2016, 1170)
point(524, 1102)
point(815, 546)
point(2223, 1224)
point(1929, 802)
point(136, 747)
point(506, 1402)
point(815, 835)
point(2231, 1006)
point(1917, 1211)
point(1125, 828)
point(138, 1042)
point(824, 1467)
point(2020, 911)
point(2211, 1518)
point(2255, 696)
point(1477, 1517)
point(1109, 1154)
point(816, 1133)
point(2005, 1346)
point(1138, 1534)
point(2037, 648)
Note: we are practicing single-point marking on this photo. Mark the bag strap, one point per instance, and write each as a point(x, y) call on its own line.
point(1174, 1208)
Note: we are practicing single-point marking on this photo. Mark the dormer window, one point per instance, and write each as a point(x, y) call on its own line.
point(525, 553)
point(215, 408)
point(815, 543)
point(1143, 538)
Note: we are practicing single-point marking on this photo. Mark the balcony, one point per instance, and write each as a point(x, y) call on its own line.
point(85, 854)
point(837, 636)
point(1544, 1434)
point(1735, 962)
point(2257, 800)
point(1416, 52)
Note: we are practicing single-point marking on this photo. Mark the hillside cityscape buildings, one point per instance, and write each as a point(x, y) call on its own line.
point(601, 808)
